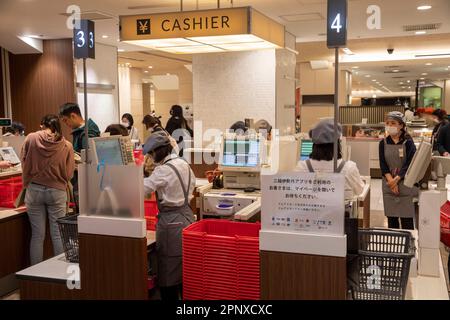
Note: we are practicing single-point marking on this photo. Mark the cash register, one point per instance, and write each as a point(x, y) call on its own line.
point(240, 162)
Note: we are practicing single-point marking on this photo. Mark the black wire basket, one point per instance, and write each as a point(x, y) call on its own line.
point(384, 259)
point(68, 228)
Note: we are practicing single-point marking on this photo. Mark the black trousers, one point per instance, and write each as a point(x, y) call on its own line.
point(407, 223)
point(172, 293)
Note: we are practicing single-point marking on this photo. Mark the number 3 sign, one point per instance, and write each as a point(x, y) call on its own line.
point(337, 23)
point(84, 40)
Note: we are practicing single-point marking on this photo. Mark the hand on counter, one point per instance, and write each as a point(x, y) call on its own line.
point(446, 154)
point(5, 165)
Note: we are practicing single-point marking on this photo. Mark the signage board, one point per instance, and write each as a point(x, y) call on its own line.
point(84, 40)
point(311, 203)
point(337, 23)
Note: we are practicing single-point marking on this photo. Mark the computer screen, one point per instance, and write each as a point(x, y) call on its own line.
point(305, 149)
point(240, 153)
point(109, 151)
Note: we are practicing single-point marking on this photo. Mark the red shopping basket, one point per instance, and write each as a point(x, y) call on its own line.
point(151, 212)
point(445, 224)
point(9, 191)
point(221, 260)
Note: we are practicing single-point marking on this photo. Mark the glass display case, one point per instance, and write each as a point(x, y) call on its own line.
point(363, 130)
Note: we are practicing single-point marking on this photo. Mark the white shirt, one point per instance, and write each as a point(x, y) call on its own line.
point(165, 181)
point(409, 115)
point(134, 133)
point(354, 185)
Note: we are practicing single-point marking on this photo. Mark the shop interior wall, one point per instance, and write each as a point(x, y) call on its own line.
point(40, 83)
point(103, 103)
point(311, 114)
point(285, 84)
point(446, 101)
point(2, 102)
point(228, 87)
point(136, 100)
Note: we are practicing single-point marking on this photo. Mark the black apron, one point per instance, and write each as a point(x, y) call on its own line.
point(171, 222)
point(401, 205)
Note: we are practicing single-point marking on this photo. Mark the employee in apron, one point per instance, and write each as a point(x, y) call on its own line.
point(174, 182)
point(396, 153)
point(321, 158)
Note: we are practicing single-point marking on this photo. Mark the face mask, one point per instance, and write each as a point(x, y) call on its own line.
point(126, 124)
point(392, 130)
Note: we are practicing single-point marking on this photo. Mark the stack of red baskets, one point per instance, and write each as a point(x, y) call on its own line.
point(221, 261)
point(445, 224)
point(9, 191)
point(151, 212)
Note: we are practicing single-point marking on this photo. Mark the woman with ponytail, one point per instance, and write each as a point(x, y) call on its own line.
point(47, 164)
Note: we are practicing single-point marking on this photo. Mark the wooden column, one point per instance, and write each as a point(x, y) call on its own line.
point(292, 276)
point(113, 268)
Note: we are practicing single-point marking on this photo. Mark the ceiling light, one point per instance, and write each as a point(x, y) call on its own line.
point(400, 83)
point(104, 36)
point(424, 7)
point(347, 51)
point(120, 50)
point(367, 75)
point(408, 81)
point(424, 74)
point(150, 67)
point(420, 32)
point(422, 78)
point(167, 74)
point(395, 70)
point(428, 64)
point(355, 67)
point(146, 71)
point(374, 80)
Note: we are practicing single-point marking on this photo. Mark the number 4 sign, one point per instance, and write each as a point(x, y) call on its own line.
point(84, 40)
point(337, 23)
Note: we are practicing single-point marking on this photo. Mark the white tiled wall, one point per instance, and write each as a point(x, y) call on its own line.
point(228, 87)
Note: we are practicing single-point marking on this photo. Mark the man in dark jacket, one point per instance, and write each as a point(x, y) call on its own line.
point(71, 115)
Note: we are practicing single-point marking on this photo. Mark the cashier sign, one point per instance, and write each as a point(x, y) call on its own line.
point(304, 202)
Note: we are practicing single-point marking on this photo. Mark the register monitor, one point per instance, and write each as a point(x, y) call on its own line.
point(419, 164)
point(114, 150)
point(305, 149)
point(240, 162)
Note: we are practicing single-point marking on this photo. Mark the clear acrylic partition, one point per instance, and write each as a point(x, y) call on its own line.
point(112, 190)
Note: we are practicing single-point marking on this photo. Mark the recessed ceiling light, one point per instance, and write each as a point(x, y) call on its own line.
point(150, 67)
point(408, 81)
point(167, 74)
point(400, 83)
point(355, 67)
point(424, 7)
point(422, 78)
point(146, 71)
point(367, 75)
point(374, 80)
point(395, 70)
point(420, 32)
point(428, 64)
point(120, 50)
point(409, 87)
point(424, 74)
point(104, 36)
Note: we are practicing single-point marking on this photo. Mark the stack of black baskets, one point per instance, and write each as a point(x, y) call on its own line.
point(384, 259)
point(68, 227)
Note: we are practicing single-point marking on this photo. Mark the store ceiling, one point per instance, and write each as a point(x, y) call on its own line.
point(306, 19)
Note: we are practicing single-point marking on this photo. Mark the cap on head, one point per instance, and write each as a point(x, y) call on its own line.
point(324, 132)
point(397, 116)
point(156, 140)
point(263, 125)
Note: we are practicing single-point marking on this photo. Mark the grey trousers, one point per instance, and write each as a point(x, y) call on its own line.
point(42, 201)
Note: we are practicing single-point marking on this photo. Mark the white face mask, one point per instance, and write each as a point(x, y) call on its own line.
point(125, 124)
point(393, 131)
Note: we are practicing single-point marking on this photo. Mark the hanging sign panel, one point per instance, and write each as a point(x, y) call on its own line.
point(304, 203)
point(84, 40)
point(337, 23)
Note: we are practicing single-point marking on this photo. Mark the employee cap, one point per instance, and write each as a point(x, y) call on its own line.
point(323, 132)
point(396, 115)
point(263, 125)
point(156, 140)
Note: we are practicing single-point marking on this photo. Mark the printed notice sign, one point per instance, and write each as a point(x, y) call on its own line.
point(303, 202)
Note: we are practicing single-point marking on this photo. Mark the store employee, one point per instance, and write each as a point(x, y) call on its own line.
point(174, 182)
point(321, 158)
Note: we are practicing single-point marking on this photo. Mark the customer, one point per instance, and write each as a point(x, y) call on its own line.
point(152, 124)
point(71, 115)
point(177, 121)
point(16, 129)
point(396, 153)
point(117, 130)
point(174, 182)
point(239, 128)
point(321, 158)
point(440, 119)
point(409, 114)
point(48, 165)
point(128, 122)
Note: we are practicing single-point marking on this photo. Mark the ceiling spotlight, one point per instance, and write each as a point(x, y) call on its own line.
point(367, 75)
point(146, 71)
point(120, 50)
point(395, 70)
point(428, 64)
point(355, 67)
point(374, 80)
point(424, 74)
point(409, 81)
point(400, 83)
point(424, 7)
point(150, 67)
point(104, 36)
point(420, 32)
point(422, 78)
